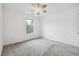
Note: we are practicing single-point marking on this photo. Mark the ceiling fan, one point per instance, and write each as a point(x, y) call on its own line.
point(39, 8)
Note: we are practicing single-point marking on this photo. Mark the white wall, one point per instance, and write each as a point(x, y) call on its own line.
point(15, 26)
point(1, 29)
point(62, 23)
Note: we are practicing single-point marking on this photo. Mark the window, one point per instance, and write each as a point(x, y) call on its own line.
point(29, 26)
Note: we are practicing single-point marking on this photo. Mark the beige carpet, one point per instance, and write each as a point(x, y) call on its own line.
point(40, 47)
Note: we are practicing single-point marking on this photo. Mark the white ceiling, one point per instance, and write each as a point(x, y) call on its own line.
point(21, 7)
point(60, 7)
point(52, 7)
